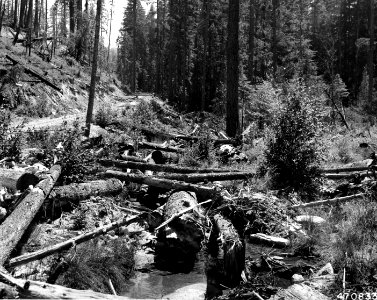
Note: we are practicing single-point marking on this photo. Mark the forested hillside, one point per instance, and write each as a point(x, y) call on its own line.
point(198, 149)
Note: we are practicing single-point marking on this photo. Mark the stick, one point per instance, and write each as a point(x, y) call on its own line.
point(347, 175)
point(23, 259)
point(330, 201)
point(180, 214)
point(4, 275)
point(112, 287)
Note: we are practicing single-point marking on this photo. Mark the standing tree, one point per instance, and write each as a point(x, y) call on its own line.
point(92, 90)
point(371, 50)
point(232, 111)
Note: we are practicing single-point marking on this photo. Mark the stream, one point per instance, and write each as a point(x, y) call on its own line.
point(157, 284)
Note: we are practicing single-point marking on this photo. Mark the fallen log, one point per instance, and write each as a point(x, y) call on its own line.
point(330, 201)
point(335, 176)
point(158, 168)
point(208, 176)
point(182, 238)
point(273, 241)
point(79, 191)
point(13, 228)
point(163, 183)
point(35, 39)
point(131, 158)
point(31, 72)
point(8, 292)
point(153, 146)
point(347, 169)
point(300, 291)
point(232, 248)
point(161, 158)
point(43, 290)
point(28, 257)
point(17, 179)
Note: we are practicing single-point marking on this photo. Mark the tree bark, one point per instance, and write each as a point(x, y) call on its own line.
point(232, 110)
point(155, 167)
point(251, 39)
point(13, 228)
point(17, 179)
point(79, 14)
point(36, 18)
point(92, 90)
point(134, 11)
point(15, 14)
point(233, 250)
point(163, 183)
point(28, 257)
point(20, 20)
point(195, 178)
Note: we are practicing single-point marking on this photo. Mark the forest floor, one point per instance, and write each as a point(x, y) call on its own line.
point(272, 247)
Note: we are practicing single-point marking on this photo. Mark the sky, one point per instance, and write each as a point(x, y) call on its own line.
point(118, 10)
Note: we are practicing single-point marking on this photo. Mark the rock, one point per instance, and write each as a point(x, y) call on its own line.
point(297, 278)
point(190, 292)
point(269, 240)
point(299, 291)
point(310, 219)
point(327, 269)
point(143, 260)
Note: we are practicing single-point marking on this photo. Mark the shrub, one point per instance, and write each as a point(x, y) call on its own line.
point(292, 154)
point(10, 137)
point(104, 116)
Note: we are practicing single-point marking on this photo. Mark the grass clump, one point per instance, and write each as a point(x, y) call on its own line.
point(93, 264)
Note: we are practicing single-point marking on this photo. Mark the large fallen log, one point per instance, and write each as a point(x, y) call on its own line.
point(163, 183)
point(13, 228)
point(161, 158)
point(233, 250)
point(273, 241)
point(153, 146)
point(182, 237)
point(28, 257)
point(131, 158)
point(43, 290)
point(17, 179)
point(34, 73)
point(76, 192)
point(347, 169)
point(335, 176)
point(158, 168)
point(330, 201)
point(208, 176)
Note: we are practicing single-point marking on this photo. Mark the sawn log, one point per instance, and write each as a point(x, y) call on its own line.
point(12, 229)
point(17, 179)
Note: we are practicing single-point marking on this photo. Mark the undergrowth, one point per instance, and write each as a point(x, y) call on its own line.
point(94, 263)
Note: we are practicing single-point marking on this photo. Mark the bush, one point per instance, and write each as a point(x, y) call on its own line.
point(292, 154)
point(104, 116)
point(10, 137)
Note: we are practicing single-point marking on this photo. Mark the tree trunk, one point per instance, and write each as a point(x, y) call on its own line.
point(233, 250)
point(20, 20)
point(79, 14)
point(111, 22)
point(153, 146)
point(92, 90)
point(339, 170)
point(15, 15)
point(183, 236)
point(260, 238)
point(205, 46)
point(2, 12)
point(275, 6)
point(330, 201)
point(17, 179)
point(157, 167)
point(36, 18)
point(167, 184)
point(232, 110)
point(72, 16)
point(13, 228)
point(133, 82)
point(371, 53)
point(251, 39)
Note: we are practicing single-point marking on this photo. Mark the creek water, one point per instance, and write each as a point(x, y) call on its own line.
point(156, 284)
